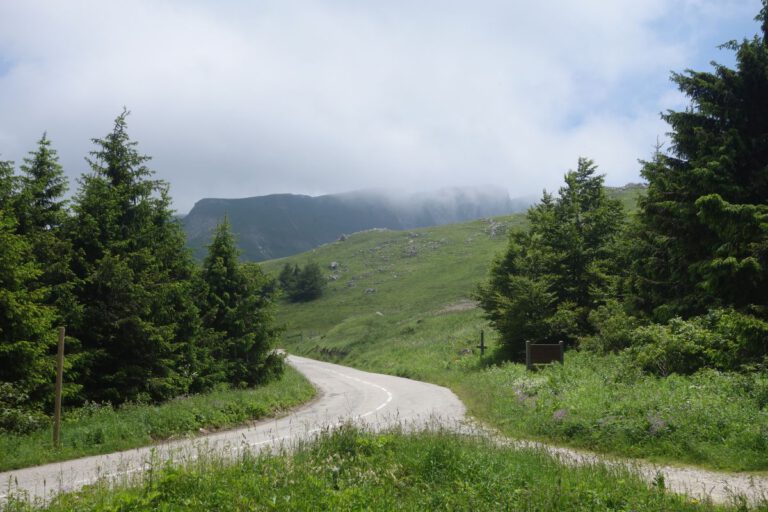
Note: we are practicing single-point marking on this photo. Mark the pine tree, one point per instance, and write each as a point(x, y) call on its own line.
point(26, 323)
point(702, 241)
point(42, 212)
point(43, 186)
point(309, 283)
point(238, 306)
point(551, 276)
point(139, 323)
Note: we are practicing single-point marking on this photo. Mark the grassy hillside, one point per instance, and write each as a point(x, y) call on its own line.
point(400, 303)
point(388, 277)
point(410, 288)
point(285, 224)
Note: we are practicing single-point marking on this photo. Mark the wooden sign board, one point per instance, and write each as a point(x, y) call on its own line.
point(537, 354)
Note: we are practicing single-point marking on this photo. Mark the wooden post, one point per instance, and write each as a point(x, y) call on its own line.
point(528, 364)
point(481, 346)
point(59, 384)
point(562, 351)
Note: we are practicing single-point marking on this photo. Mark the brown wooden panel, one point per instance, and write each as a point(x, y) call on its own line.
point(544, 354)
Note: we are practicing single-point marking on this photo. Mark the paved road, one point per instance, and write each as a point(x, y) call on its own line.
point(346, 394)
point(377, 401)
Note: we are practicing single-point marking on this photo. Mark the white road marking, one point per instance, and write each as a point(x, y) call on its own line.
point(317, 417)
point(380, 407)
point(193, 457)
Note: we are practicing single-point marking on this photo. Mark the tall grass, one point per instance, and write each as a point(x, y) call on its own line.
point(97, 429)
point(605, 403)
point(349, 469)
point(418, 323)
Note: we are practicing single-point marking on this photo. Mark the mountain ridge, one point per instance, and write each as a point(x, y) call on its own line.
point(278, 225)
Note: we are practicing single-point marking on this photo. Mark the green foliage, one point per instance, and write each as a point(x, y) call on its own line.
point(613, 329)
point(702, 239)
point(722, 339)
point(26, 327)
point(17, 415)
point(349, 469)
point(302, 284)
point(551, 276)
point(238, 309)
point(607, 403)
point(133, 279)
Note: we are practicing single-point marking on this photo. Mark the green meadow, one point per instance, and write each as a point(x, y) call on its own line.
point(401, 303)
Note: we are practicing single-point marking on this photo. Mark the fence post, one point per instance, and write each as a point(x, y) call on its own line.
point(528, 354)
point(562, 351)
point(59, 385)
point(482, 342)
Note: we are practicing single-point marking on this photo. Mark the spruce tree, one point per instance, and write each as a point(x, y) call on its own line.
point(26, 323)
point(139, 323)
point(42, 212)
point(238, 305)
point(702, 239)
point(544, 285)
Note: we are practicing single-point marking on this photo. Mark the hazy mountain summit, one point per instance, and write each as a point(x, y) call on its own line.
point(279, 225)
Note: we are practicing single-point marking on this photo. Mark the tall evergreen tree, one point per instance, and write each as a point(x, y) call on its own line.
point(551, 276)
point(26, 323)
point(239, 306)
point(702, 241)
point(139, 323)
point(42, 212)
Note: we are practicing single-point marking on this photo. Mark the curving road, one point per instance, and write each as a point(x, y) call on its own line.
point(370, 399)
point(345, 394)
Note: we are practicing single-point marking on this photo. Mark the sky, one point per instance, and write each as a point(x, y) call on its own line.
point(244, 98)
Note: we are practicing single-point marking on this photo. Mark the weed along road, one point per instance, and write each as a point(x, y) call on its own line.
point(345, 395)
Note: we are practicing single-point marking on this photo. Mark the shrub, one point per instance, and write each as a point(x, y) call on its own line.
point(723, 339)
point(678, 347)
point(15, 416)
point(613, 329)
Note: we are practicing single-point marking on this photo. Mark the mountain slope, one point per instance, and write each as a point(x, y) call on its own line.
point(283, 224)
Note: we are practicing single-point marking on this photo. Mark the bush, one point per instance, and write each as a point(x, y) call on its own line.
point(15, 417)
point(723, 339)
point(302, 284)
point(613, 329)
point(678, 347)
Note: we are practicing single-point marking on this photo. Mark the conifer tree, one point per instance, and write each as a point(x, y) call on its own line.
point(26, 323)
point(42, 212)
point(702, 239)
point(139, 323)
point(551, 276)
point(238, 306)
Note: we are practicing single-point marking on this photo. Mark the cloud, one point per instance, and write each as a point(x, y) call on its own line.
point(246, 98)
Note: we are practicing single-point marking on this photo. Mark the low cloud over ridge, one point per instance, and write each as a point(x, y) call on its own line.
point(248, 98)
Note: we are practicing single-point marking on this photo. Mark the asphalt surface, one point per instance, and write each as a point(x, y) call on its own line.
point(345, 395)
